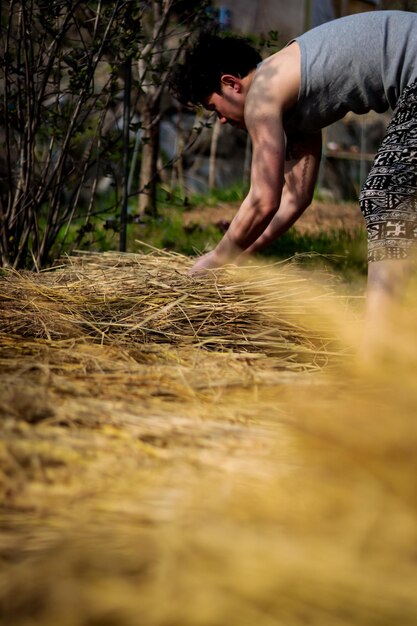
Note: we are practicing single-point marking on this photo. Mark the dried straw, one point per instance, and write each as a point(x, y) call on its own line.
point(172, 454)
point(135, 299)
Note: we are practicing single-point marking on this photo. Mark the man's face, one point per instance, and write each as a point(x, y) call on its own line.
point(229, 106)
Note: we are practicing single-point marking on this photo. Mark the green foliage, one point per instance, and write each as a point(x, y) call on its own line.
point(168, 232)
point(340, 251)
point(61, 92)
point(234, 193)
point(57, 92)
point(343, 252)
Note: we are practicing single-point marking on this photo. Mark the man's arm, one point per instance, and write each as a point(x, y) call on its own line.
point(259, 211)
point(300, 179)
point(263, 199)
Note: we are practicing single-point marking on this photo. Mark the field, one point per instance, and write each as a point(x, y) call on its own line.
point(211, 452)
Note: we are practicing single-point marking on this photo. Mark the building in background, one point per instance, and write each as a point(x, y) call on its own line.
point(261, 16)
point(288, 18)
point(321, 11)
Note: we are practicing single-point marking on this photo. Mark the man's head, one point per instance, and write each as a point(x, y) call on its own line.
point(212, 75)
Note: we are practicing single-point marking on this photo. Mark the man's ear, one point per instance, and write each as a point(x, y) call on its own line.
point(231, 81)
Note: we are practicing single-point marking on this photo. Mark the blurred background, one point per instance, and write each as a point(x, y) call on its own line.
point(349, 145)
point(94, 147)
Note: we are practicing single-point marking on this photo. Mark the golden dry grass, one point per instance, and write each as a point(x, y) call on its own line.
point(179, 452)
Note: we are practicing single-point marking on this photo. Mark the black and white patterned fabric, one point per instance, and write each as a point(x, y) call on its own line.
point(389, 197)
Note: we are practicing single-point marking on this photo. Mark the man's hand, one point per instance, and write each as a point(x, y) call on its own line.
point(208, 261)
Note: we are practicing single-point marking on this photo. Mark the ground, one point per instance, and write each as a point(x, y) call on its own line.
point(200, 452)
point(319, 217)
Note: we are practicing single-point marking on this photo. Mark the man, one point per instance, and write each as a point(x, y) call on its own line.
point(356, 63)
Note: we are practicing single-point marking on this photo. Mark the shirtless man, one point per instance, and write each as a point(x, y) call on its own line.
point(356, 63)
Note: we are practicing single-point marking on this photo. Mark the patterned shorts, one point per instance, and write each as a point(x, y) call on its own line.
point(389, 196)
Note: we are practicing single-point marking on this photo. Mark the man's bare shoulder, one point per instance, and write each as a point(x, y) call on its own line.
point(276, 84)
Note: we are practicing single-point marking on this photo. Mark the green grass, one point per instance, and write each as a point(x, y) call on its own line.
point(343, 253)
point(235, 193)
point(169, 233)
point(340, 251)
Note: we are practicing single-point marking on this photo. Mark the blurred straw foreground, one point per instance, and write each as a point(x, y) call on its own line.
point(180, 452)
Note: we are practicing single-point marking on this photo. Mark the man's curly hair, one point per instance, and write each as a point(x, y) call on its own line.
point(206, 62)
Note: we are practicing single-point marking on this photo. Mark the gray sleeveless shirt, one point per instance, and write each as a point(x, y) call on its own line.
point(356, 63)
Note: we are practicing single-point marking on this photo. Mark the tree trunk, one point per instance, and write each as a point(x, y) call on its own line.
point(213, 150)
point(148, 176)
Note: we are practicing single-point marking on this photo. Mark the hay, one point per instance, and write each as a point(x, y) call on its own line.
point(131, 326)
point(88, 343)
point(172, 452)
point(138, 299)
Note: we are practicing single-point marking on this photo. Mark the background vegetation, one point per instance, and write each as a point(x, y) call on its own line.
point(82, 94)
point(77, 80)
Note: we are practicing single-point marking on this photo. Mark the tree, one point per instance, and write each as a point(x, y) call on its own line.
point(64, 67)
point(166, 26)
point(57, 88)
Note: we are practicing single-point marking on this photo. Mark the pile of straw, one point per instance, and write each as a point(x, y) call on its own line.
point(148, 298)
point(91, 342)
point(172, 453)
